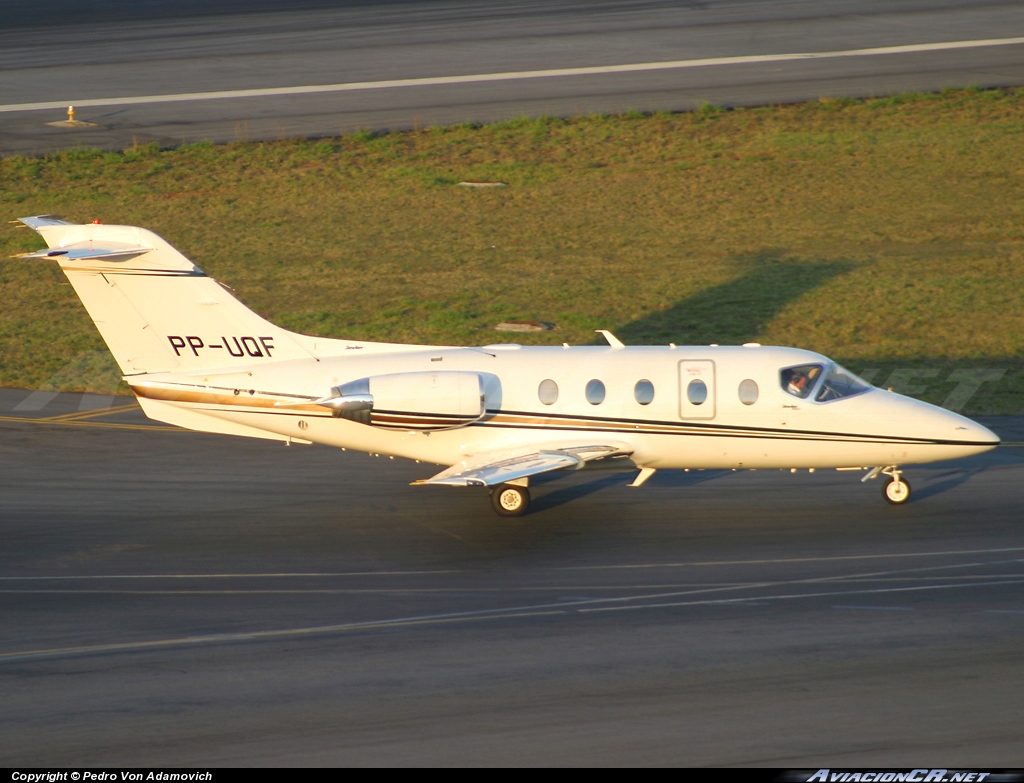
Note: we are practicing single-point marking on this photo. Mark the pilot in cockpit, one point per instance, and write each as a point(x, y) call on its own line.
point(799, 381)
point(797, 384)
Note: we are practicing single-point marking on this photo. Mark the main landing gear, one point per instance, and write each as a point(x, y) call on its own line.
point(896, 491)
point(510, 501)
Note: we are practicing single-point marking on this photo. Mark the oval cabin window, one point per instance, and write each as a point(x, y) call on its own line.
point(748, 392)
point(548, 392)
point(697, 392)
point(644, 392)
point(595, 392)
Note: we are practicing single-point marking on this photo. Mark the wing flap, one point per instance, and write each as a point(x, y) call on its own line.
point(490, 470)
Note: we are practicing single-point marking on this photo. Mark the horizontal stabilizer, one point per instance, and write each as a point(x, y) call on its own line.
point(81, 253)
point(481, 472)
point(101, 247)
point(42, 220)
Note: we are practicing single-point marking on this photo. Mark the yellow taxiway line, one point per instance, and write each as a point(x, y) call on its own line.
point(80, 423)
point(91, 414)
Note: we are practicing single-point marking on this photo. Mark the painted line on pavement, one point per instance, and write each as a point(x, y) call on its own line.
point(108, 425)
point(796, 596)
point(433, 81)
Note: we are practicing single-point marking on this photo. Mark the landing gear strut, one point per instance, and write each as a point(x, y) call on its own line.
point(510, 501)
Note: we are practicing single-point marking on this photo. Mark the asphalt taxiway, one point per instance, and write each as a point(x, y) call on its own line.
point(175, 72)
point(185, 599)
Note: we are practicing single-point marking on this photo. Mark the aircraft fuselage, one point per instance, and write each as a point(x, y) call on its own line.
point(772, 429)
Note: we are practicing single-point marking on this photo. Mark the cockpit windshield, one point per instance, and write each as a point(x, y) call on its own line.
point(799, 381)
point(825, 382)
point(840, 383)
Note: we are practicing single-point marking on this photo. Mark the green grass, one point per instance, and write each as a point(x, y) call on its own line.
point(886, 233)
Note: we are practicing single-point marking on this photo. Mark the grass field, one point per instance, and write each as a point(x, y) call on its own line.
point(886, 233)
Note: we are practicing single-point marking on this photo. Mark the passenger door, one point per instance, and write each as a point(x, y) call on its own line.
point(696, 389)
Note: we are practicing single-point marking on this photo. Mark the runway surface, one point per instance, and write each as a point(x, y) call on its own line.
point(121, 57)
point(176, 598)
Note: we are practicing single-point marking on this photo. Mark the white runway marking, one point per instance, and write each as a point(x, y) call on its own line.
point(279, 634)
point(885, 556)
point(545, 610)
point(581, 606)
point(794, 596)
point(433, 81)
point(224, 576)
point(330, 574)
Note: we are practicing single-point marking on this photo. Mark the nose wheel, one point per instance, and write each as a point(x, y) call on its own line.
point(510, 501)
point(896, 491)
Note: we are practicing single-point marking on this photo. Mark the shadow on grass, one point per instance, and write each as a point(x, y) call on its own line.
point(737, 311)
point(971, 386)
point(740, 310)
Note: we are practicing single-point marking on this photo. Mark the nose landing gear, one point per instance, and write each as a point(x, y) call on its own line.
point(897, 490)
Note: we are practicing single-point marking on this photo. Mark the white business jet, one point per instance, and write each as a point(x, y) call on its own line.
point(494, 416)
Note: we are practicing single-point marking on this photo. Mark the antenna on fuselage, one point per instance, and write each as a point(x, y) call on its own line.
point(613, 341)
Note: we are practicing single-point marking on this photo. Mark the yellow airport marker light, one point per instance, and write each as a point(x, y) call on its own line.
point(71, 122)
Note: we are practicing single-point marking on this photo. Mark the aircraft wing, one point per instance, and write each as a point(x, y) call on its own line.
point(487, 470)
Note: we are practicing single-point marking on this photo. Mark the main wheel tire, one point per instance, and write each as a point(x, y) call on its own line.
point(896, 491)
point(510, 501)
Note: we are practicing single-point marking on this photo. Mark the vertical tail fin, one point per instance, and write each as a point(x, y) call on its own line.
point(156, 310)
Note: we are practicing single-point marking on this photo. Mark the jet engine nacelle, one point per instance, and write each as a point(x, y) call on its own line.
point(411, 400)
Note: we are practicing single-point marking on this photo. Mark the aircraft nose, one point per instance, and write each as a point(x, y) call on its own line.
point(969, 433)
